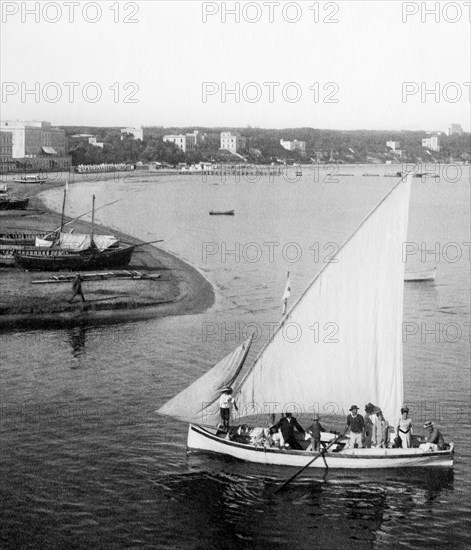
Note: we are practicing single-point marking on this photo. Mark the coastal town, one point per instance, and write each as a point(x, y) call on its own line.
point(38, 146)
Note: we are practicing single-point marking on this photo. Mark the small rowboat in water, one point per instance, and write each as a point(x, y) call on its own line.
point(33, 178)
point(221, 212)
point(420, 276)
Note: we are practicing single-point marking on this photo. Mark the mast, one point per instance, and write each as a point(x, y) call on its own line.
point(63, 211)
point(93, 220)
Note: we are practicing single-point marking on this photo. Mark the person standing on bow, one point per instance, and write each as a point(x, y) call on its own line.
point(404, 429)
point(356, 424)
point(287, 425)
point(226, 401)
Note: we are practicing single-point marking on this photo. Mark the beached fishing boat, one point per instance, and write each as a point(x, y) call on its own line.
point(362, 295)
point(24, 238)
point(52, 259)
point(33, 178)
point(423, 275)
point(11, 203)
point(221, 212)
point(75, 252)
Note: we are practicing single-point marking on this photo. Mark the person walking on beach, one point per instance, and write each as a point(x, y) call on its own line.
point(77, 288)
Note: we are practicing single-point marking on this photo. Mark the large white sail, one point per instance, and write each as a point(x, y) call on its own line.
point(198, 402)
point(341, 343)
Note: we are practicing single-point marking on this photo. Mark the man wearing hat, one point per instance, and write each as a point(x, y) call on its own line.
point(434, 438)
point(356, 423)
point(225, 403)
point(315, 430)
point(287, 425)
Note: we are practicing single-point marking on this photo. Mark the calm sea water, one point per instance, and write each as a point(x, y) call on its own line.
point(86, 462)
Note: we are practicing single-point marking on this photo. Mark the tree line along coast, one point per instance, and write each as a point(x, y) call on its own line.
point(266, 146)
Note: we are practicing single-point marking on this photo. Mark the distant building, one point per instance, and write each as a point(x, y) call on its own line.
point(87, 138)
point(232, 142)
point(394, 145)
point(6, 147)
point(37, 140)
point(137, 133)
point(431, 143)
point(294, 145)
point(185, 142)
point(455, 129)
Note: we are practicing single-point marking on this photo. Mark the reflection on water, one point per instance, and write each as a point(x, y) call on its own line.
point(77, 338)
point(325, 511)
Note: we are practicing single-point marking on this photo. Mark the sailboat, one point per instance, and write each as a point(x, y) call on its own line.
point(362, 292)
point(75, 252)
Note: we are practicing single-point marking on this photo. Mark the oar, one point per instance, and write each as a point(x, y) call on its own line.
point(148, 242)
point(320, 453)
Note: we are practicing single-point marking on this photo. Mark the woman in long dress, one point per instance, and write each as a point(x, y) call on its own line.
point(404, 429)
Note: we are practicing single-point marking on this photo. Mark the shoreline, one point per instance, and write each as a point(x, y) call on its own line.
point(180, 290)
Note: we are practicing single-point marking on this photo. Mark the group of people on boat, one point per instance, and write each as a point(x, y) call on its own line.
point(369, 431)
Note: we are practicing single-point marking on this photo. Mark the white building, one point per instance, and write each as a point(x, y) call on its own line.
point(232, 142)
point(455, 129)
point(394, 145)
point(431, 143)
point(294, 145)
point(185, 142)
point(137, 133)
point(34, 138)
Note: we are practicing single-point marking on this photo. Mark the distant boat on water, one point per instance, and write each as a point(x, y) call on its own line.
point(420, 276)
point(33, 178)
point(221, 212)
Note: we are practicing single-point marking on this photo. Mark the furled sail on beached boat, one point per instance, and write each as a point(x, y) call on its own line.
point(76, 252)
point(362, 292)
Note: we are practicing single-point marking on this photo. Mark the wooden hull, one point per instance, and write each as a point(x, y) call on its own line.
point(26, 239)
point(201, 439)
point(57, 260)
point(419, 276)
point(29, 180)
point(218, 213)
point(14, 204)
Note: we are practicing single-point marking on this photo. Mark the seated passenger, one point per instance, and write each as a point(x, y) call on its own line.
point(434, 441)
point(276, 438)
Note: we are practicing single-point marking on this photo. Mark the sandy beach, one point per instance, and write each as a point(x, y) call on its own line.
point(180, 289)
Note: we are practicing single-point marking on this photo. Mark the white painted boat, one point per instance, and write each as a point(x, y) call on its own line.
point(204, 439)
point(360, 295)
point(33, 178)
point(420, 276)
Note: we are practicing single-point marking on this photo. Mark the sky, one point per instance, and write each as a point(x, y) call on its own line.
point(382, 65)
